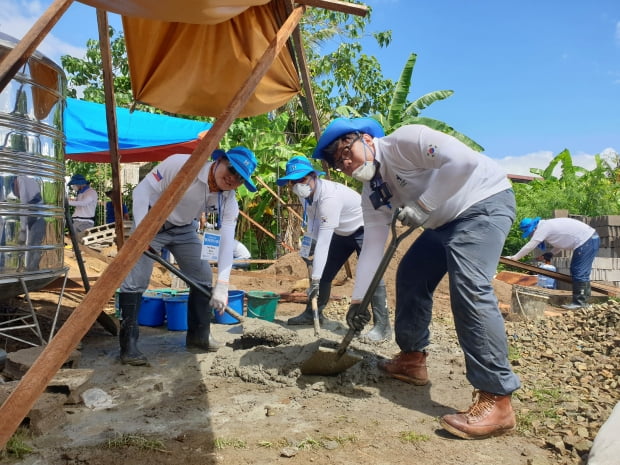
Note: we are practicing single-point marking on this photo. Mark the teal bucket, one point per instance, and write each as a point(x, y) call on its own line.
point(235, 301)
point(152, 310)
point(262, 304)
point(176, 311)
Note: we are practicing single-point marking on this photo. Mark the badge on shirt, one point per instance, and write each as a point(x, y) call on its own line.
point(210, 246)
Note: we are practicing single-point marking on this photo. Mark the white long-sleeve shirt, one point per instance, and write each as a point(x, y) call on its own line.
point(197, 199)
point(419, 163)
point(335, 209)
point(559, 233)
point(85, 203)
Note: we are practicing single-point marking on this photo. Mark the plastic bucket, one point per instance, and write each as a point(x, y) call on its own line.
point(152, 311)
point(176, 311)
point(262, 304)
point(235, 301)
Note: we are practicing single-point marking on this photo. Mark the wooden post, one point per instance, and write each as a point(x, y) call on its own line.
point(34, 382)
point(110, 112)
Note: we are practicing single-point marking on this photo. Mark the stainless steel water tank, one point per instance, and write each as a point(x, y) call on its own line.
point(31, 174)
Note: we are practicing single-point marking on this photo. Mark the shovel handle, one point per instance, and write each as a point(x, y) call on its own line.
point(174, 270)
point(372, 287)
point(315, 316)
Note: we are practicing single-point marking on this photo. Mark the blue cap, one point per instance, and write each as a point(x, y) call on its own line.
point(78, 180)
point(243, 161)
point(296, 168)
point(527, 225)
point(342, 126)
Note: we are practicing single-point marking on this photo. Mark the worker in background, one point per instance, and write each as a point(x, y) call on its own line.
point(85, 203)
point(240, 255)
point(546, 281)
point(565, 234)
point(109, 209)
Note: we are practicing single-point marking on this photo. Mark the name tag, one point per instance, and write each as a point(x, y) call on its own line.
point(210, 246)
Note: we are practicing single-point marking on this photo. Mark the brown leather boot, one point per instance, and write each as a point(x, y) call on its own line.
point(489, 415)
point(409, 367)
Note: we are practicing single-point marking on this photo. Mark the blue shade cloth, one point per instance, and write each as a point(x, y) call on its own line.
point(142, 136)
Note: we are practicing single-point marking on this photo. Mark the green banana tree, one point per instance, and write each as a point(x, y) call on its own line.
point(400, 112)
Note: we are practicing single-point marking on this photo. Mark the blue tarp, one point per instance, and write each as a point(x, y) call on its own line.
point(142, 136)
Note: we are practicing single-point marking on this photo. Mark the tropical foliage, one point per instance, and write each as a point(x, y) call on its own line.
point(565, 186)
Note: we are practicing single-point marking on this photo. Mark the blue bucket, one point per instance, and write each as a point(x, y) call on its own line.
point(152, 311)
point(235, 301)
point(176, 311)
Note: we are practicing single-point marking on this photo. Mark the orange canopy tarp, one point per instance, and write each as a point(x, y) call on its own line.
point(190, 57)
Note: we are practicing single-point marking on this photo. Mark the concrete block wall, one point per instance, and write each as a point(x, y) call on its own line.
point(606, 265)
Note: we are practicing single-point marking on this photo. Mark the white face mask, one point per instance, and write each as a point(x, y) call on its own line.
point(302, 190)
point(365, 172)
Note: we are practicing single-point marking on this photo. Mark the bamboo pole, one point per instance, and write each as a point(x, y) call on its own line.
point(35, 380)
point(272, 192)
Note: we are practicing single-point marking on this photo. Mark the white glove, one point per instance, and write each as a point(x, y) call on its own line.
point(313, 290)
point(219, 297)
point(510, 257)
point(413, 215)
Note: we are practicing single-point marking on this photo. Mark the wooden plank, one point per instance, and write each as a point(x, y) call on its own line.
point(29, 43)
point(21, 400)
point(259, 226)
point(335, 5)
point(606, 289)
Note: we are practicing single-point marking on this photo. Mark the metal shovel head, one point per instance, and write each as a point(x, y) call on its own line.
point(326, 361)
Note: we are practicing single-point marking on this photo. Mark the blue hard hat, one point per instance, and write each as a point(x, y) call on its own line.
point(78, 180)
point(243, 161)
point(527, 225)
point(296, 168)
point(342, 126)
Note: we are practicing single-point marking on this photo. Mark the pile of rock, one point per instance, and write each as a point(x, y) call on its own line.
point(570, 370)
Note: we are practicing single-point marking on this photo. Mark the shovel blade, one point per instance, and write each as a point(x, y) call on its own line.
point(327, 361)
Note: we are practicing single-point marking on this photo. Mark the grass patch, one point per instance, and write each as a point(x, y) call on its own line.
point(133, 440)
point(16, 446)
point(342, 439)
point(513, 353)
point(413, 437)
point(309, 443)
point(272, 444)
point(223, 443)
point(541, 408)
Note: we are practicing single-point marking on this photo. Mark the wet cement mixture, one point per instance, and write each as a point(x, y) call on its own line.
point(248, 403)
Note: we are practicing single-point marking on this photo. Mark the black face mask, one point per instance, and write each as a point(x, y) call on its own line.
point(381, 193)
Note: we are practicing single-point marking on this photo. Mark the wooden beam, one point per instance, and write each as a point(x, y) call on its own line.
point(335, 5)
point(110, 113)
point(606, 289)
point(34, 382)
point(272, 192)
point(260, 226)
point(29, 43)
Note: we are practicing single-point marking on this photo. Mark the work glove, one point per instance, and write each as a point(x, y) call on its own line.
point(219, 297)
point(313, 290)
point(413, 215)
point(357, 317)
point(510, 257)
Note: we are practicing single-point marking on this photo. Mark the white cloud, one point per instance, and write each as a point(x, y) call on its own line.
point(16, 19)
point(521, 165)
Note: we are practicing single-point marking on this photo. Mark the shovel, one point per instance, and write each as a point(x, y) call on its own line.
point(327, 361)
point(174, 270)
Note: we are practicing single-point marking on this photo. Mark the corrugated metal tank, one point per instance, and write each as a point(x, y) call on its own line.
point(32, 169)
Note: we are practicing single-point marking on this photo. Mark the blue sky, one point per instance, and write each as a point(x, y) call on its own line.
point(529, 78)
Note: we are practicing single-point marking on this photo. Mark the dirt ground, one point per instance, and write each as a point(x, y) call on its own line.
point(249, 404)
